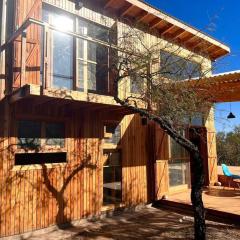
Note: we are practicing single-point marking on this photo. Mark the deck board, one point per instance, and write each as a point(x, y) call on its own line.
point(225, 200)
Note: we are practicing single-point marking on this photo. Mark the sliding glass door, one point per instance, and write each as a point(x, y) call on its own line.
point(179, 167)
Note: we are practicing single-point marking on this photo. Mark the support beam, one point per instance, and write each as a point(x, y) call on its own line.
point(167, 30)
point(142, 16)
point(125, 10)
point(178, 33)
point(109, 3)
point(23, 58)
point(155, 23)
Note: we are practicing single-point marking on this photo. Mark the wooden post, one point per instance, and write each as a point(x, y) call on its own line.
point(23, 58)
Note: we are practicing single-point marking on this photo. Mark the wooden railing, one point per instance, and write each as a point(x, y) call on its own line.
point(20, 35)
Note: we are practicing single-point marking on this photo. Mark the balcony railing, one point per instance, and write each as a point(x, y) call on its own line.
point(60, 69)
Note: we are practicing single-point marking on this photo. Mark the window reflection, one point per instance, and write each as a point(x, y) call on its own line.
point(179, 164)
point(178, 68)
point(61, 54)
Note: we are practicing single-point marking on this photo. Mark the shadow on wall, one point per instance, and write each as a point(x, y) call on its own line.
point(37, 196)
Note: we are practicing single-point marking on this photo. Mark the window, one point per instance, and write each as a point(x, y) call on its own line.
point(179, 165)
point(29, 134)
point(112, 177)
point(136, 83)
point(91, 59)
point(197, 119)
point(112, 133)
point(33, 135)
point(178, 68)
point(61, 53)
point(55, 134)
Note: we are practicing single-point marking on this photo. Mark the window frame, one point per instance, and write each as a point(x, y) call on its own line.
point(113, 194)
point(185, 159)
point(75, 84)
point(179, 58)
point(106, 135)
point(44, 148)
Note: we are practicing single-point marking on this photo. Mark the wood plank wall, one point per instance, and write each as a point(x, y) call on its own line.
point(36, 197)
point(162, 158)
point(26, 9)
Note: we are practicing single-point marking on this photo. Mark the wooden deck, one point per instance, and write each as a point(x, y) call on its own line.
point(218, 199)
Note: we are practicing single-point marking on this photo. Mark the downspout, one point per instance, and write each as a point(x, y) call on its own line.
point(2, 54)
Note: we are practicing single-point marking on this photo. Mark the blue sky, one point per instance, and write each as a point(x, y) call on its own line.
point(220, 19)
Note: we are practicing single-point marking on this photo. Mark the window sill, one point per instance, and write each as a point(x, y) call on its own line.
point(111, 146)
point(44, 150)
point(37, 166)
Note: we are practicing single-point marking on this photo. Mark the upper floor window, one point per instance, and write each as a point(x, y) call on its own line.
point(178, 68)
point(91, 59)
point(136, 83)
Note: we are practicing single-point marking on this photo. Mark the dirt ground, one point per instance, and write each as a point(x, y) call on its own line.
point(146, 223)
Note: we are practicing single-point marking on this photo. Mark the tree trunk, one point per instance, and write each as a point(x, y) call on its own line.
point(196, 197)
point(197, 165)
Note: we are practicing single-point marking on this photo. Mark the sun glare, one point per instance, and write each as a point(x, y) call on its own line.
point(63, 23)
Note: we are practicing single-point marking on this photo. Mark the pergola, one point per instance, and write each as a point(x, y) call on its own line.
point(224, 87)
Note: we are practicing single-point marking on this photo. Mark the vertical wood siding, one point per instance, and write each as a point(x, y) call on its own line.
point(162, 157)
point(34, 197)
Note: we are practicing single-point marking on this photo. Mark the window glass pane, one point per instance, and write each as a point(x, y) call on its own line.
point(62, 82)
point(55, 134)
point(62, 48)
point(197, 120)
point(178, 68)
point(112, 177)
point(29, 134)
point(178, 173)
point(80, 75)
point(115, 130)
point(98, 32)
point(62, 60)
point(96, 56)
point(91, 76)
point(82, 27)
point(92, 51)
point(136, 83)
point(80, 48)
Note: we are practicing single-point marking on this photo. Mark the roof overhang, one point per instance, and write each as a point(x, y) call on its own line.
point(168, 27)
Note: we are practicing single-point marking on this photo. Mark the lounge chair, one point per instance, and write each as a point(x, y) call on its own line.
point(230, 175)
point(227, 172)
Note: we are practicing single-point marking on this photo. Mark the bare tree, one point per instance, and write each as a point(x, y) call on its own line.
point(152, 80)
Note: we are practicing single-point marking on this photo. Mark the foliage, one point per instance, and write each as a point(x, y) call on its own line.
point(228, 147)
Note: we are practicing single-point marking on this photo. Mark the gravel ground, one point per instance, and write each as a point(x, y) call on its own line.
point(147, 223)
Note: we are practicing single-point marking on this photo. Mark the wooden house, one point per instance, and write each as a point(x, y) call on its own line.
point(67, 150)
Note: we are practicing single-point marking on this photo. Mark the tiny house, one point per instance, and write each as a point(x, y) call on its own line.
point(67, 150)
